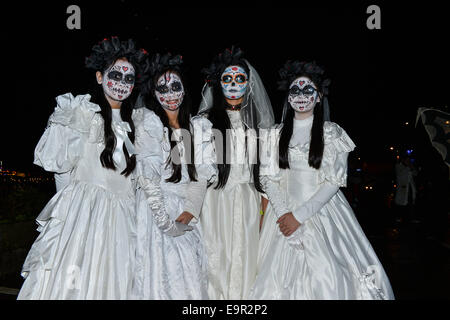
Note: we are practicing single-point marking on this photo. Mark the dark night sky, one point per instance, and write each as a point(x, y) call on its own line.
point(379, 77)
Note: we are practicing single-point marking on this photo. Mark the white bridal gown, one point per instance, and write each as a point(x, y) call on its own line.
point(328, 256)
point(169, 267)
point(230, 220)
point(86, 245)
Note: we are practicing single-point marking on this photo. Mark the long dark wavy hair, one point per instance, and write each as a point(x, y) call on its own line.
point(218, 115)
point(291, 71)
point(159, 65)
point(103, 56)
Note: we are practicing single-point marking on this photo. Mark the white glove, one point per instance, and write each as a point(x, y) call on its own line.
point(275, 196)
point(178, 229)
point(295, 239)
point(316, 202)
point(155, 200)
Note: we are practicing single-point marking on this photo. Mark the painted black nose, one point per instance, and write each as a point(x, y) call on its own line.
point(233, 84)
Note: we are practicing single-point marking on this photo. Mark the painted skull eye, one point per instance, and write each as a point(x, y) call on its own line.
point(295, 90)
point(227, 78)
point(308, 90)
point(129, 79)
point(162, 89)
point(115, 75)
point(240, 78)
point(176, 86)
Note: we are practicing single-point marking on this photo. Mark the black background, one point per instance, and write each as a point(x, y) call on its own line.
point(379, 77)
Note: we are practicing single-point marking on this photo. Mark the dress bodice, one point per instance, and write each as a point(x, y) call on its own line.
point(90, 169)
point(240, 170)
point(301, 180)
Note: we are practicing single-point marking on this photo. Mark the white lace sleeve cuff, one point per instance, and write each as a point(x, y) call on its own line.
point(275, 196)
point(155, 201)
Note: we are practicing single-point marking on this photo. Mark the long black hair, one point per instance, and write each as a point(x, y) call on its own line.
point(160, 65)
point(103, 56)
point(218, 115)
point(291, 71)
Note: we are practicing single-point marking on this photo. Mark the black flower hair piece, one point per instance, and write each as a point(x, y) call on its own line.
point(213, 72)
point(294, 69)
point(158, 65)
point(110, 49)
point(161, 63)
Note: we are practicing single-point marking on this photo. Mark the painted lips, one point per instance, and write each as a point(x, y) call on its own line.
point(173, 101)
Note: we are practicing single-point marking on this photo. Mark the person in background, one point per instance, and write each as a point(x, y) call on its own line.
point(405, 193)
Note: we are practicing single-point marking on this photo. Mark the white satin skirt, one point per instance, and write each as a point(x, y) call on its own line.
point(230, 221)
point(337, 261)
point(168, 268)
point(86, 246)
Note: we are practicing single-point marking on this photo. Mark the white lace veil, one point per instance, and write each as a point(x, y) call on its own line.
point(256, 111)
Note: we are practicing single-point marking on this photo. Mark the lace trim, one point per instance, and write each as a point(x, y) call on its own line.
point(368, 279)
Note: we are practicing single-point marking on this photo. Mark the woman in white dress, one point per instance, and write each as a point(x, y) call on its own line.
point(171, 262)
point(236, 103)
point(86, 245)
point(312, 246)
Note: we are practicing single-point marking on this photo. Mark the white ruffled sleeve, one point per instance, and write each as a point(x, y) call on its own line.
point(334, 162)
point(61, 145)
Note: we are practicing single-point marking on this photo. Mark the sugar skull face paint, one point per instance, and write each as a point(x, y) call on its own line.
point(234, 82)
point(303, 95)
point(118, 80)
point(169, 91)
